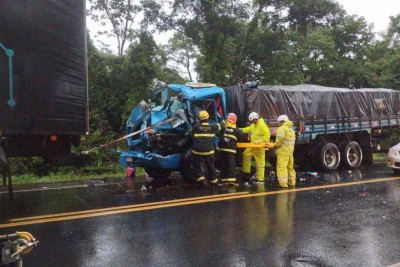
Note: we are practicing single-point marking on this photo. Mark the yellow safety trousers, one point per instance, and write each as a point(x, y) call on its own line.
point(259, 157)
point(285, 170)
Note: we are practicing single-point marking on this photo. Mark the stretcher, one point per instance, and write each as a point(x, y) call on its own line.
point(252, 145)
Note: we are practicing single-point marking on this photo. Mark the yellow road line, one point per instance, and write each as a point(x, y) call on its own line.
point(123, 207)
point(181, 202)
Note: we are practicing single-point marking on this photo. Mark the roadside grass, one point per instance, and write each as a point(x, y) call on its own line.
point(379, 156)
point(69, 177)
point(35, 170)
point(55, 177)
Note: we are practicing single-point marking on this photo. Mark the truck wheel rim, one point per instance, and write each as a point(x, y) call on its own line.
point(330, 158)
point(353, 155)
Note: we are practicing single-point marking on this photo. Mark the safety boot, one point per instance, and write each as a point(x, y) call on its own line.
point(214, 182)
point(245, 176)
point(282, 185)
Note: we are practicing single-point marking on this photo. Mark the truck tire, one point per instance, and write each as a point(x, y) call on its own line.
point(326, 157)
point(351, 154)
point(157, 173)
point(187, 167)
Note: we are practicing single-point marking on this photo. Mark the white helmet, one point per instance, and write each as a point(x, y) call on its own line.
point(253, 116)
point(283, 118)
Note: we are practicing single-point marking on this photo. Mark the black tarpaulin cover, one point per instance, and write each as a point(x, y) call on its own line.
point(48, 89)
point(312, 102)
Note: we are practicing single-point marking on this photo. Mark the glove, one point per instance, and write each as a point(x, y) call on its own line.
point(257, 142)
point(270, 145)
point(150, 131)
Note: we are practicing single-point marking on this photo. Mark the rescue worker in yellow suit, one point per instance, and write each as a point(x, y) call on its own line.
point(259, 133)
point(285, 140)
point(203, 149)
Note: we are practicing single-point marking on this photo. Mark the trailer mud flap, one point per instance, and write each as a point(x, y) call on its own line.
point(364, 139)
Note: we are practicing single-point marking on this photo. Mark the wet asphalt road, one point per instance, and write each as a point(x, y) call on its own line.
point(337, 219)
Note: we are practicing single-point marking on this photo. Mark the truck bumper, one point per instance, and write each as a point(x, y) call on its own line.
point(138, 159)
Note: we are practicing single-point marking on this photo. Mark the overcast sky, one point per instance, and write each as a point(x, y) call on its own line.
point(374, 11)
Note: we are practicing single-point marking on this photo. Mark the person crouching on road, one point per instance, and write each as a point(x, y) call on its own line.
point(203, 149)
point(227, 147)
point(285, 140)
point(259, 133)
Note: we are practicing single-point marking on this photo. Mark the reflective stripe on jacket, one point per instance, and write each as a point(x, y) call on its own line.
point(228, 142)
point(203, 137)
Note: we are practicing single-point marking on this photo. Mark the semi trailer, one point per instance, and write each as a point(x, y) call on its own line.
point(334, 126)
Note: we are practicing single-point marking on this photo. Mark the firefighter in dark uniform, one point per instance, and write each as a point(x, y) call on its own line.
point(203, 149)
point(227, 147)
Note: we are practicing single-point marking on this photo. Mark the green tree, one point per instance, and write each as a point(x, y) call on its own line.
point(384, 57)
point(165, 73)
point(121, 14)
point(320, 45)
point(212, 25)
point(305, 14)
point(182, 51)
point(332, 56)
point(98, 78)
point(145, 62)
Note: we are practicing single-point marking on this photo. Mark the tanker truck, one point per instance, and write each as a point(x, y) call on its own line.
point(334, 126)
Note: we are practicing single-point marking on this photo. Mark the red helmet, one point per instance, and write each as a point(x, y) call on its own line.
point(232, 117)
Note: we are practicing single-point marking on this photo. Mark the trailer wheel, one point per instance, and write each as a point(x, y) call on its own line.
point(351, 154)
point(187, 166)
point(326, 157)
point(157, 173)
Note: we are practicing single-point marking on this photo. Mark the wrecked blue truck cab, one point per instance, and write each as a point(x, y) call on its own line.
point(167, 148)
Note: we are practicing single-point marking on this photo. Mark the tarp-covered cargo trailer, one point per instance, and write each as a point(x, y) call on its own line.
point(333, 124)
point(43, 76)
point(311, 103)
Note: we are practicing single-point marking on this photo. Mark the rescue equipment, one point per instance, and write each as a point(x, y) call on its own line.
point(133, 134)
point(252, 145)
point(12, 246)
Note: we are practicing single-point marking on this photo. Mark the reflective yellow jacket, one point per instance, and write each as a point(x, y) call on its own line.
point(285, 138)
point(259, 133)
